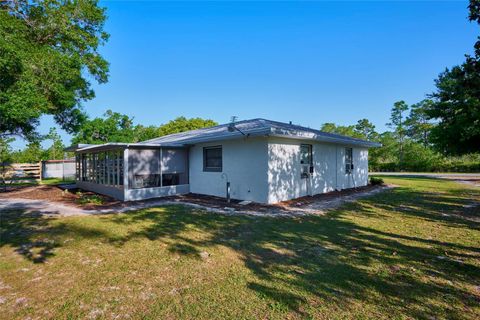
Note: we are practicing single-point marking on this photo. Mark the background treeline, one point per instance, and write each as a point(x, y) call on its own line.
point(414, 142)
point(440, 133)
point(112, 127)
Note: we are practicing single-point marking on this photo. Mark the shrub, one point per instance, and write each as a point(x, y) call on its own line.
point(89, 199)
point(374, 181)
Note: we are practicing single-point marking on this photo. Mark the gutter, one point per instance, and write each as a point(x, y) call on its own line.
point(346, 142)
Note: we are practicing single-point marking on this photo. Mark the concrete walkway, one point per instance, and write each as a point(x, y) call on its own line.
point(53, 209)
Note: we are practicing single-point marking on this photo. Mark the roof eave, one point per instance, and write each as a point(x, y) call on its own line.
point(334, 140)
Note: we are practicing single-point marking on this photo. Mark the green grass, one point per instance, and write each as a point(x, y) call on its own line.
point(411, 252)
point(34, 182)
point(54, 181)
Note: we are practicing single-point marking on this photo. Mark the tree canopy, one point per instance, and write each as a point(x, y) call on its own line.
point(456, 102)
point(364, 129)
point(48, 48)
point(116, 127)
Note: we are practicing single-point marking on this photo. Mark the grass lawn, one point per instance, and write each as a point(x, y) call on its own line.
point(411, 252)
point(34, 182)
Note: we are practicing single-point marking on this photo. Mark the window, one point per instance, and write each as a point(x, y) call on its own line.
point(348, 160)
point(306, 160)
point(212, 159)
point(306, 154)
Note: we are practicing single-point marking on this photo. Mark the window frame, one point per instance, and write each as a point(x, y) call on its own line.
point(310, 154)
point(348, 164)
point(212, 169)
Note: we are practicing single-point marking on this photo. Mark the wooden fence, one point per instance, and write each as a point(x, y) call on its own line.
point(22, 170)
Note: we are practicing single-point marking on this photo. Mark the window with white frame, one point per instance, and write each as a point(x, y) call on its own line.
point(348, 160)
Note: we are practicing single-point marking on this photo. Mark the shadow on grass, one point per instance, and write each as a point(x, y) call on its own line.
point(298, 261)
point(32, 234)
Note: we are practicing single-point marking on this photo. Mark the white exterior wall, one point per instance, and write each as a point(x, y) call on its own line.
point(284, 169)
point(58, 169)
point(245, 163)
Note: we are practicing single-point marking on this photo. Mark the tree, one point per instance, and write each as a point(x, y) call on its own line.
point(417, 124)
point(48, 48)
point(457, 102)
point(182, 124)
point(113, 127)
point(55, 151)
point(116, 127)
point(6, 150)
point(348, 131)
point(5, 161)
point(32, 153)
point(398, 125)
point(457, 108)
point(366, 129)
point(385, 158)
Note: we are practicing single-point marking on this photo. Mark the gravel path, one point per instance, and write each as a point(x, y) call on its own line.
point(51, 208)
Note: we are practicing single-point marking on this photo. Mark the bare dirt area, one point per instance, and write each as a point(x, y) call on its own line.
point(52, 200)
point(57, 194)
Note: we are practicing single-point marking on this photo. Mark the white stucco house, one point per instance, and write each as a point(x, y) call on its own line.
point(261, 160)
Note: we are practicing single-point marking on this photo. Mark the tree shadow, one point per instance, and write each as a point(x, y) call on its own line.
point(333, 258)
point(453, 208)
point(32, 234)
point(306, 260)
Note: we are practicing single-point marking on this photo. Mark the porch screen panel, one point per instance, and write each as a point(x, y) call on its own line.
point(103, 167)
point(144, 168)
point(174, 167)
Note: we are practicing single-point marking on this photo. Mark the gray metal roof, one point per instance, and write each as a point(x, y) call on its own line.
point(251, 128)
point(256, 127)
point(78, 146)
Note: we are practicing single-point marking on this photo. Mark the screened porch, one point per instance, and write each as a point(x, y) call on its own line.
point(133, 172)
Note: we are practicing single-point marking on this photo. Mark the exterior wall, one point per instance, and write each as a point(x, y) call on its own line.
point(147, 193)
point(284, 169)
point(245, 163)
point(260, 169)
point(58, 169)
point(114, 192)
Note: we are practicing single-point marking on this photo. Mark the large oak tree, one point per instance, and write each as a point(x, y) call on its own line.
point(48, 54)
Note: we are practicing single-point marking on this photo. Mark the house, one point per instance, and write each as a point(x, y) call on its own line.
point(260, 160)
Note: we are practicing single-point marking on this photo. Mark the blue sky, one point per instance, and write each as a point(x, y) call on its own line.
point(306, 62)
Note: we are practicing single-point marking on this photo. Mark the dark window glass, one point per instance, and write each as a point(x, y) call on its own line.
point(212, 159)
